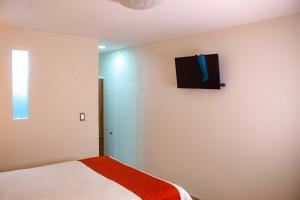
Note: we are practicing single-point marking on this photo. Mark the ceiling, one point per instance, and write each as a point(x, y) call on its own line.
point(117, 26)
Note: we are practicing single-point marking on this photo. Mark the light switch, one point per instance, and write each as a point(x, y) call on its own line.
point(82, 116)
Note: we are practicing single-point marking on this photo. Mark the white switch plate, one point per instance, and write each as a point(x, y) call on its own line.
point(82, 116)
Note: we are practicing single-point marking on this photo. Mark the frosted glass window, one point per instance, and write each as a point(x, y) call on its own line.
point(20, 80)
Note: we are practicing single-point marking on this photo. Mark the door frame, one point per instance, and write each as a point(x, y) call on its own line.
point(101, 115)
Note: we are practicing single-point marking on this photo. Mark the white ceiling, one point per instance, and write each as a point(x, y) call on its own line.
point(117, 26)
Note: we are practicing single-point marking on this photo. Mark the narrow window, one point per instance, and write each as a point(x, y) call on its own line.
point(20, 79)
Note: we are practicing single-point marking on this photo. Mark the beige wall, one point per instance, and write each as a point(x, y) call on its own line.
point(63, 83)
point(239, 143)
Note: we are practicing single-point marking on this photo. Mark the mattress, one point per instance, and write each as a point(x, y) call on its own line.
point(65, 181)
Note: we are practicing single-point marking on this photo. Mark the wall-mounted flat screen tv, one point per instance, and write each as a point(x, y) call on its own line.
point(200, 71)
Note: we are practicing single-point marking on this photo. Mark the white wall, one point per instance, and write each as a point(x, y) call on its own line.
point(239, 143)
point(63, 83)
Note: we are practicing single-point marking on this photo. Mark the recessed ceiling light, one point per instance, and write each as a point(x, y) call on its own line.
point(102, 47)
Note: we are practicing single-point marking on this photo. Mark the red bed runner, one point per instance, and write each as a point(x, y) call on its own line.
point(143, 185)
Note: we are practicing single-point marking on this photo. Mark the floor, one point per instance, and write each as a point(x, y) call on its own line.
point(194, 198)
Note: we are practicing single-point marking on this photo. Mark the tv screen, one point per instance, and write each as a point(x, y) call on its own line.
point(198, 72)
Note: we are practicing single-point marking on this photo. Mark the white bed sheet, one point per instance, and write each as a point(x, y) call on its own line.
point(64, 181)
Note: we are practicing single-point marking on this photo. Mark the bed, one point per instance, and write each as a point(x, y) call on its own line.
point(99, 178)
